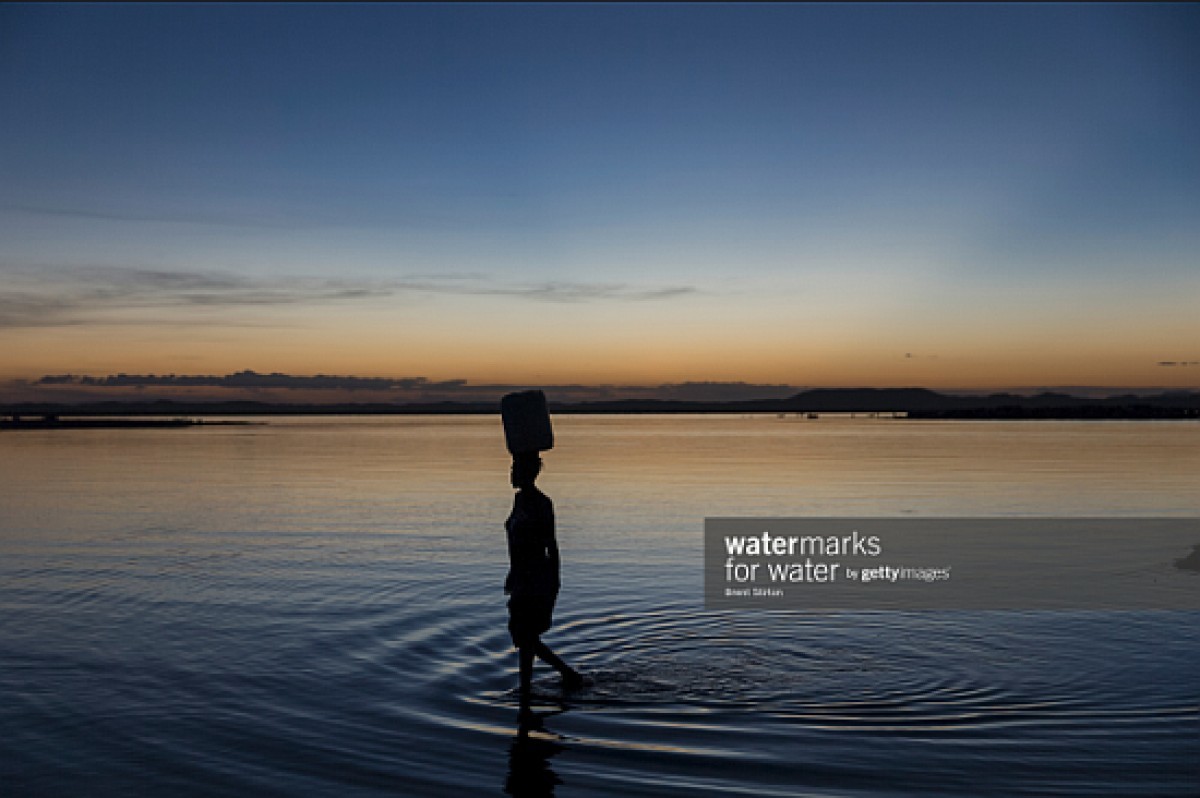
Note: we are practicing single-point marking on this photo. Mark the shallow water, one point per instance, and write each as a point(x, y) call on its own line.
point(313, 607)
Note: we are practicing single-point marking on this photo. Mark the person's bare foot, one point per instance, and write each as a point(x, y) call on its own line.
point(573, 679)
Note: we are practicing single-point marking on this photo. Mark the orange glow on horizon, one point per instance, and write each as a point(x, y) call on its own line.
point(697, 339)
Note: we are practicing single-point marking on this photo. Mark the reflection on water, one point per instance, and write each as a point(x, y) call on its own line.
point(529, 771)
point(314, 608)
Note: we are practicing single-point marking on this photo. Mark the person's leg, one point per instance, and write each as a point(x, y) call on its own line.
point(570, 676)
point(525, 657)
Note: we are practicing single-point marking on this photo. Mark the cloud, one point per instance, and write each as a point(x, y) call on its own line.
point(65, 296)
point(551, 291)
point(24, 309)
point(323, 387)
point(61, 296)
point(249, 379)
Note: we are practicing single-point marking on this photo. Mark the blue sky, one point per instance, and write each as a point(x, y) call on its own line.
point(900, 176)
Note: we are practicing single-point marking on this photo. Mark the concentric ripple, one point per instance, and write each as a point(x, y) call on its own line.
point(311, 677)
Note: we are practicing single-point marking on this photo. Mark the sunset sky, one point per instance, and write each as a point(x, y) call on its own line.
point(958, 197)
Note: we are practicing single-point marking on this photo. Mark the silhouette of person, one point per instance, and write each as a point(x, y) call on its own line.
point(533, 574)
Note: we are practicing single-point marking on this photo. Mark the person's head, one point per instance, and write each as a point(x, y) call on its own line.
point(525, 469)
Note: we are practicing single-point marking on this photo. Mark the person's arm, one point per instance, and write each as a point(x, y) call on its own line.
point(552, 543)
point(512, 554)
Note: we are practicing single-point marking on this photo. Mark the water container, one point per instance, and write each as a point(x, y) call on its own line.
point(526, 422)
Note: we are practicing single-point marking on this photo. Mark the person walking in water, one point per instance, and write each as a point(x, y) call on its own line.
point(533, 574)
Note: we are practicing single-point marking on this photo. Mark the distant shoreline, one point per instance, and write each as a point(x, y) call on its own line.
point(911, 403)
point(38, 422)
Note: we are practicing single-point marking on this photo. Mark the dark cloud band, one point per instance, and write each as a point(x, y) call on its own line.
point(455, 389)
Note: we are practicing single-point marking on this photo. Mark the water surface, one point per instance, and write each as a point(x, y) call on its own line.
point(314, 607)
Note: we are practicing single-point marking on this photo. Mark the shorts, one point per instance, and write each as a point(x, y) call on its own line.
point(529, 617)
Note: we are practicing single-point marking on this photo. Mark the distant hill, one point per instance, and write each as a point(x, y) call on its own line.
point(924, 403)
point(915, 402)
point(869, 400)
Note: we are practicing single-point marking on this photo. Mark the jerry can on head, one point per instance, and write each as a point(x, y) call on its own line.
point(526, 422)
